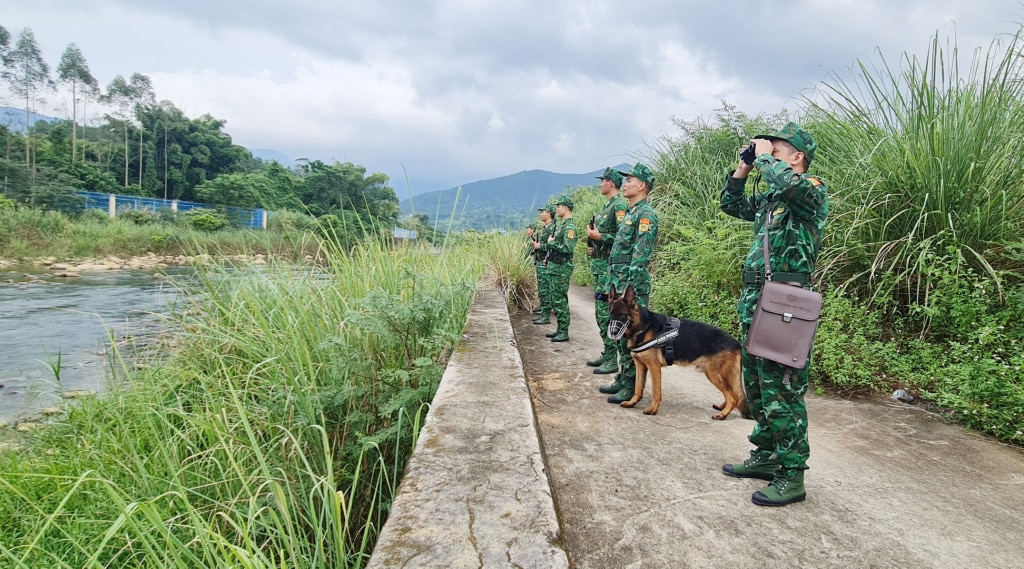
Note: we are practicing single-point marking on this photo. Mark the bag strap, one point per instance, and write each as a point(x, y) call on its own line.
point(786, 377)
point(764, 242)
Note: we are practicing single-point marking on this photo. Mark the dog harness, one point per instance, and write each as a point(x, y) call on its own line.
point(664, 341)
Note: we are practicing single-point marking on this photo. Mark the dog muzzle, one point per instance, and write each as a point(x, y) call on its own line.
point(617, 329)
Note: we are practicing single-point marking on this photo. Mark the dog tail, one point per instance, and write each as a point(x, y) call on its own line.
point(743, 407)
point(737, 376)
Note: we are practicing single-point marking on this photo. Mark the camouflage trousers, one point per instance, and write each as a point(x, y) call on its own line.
point(559, 277)
point(627, 368)
point(599, 269)
point(778, 407)
point(543, 289)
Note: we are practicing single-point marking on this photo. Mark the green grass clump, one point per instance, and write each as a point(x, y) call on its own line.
point(924, 162)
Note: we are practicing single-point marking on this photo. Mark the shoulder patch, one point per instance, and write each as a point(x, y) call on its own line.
point(619, 215)
point(814, 180)
point(572, 234)
point(645, 225)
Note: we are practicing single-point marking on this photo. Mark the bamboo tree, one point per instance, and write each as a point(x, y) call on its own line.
point(26, 73)
point(74, 70)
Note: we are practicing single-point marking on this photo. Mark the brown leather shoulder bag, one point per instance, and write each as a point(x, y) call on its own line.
point(785, 319)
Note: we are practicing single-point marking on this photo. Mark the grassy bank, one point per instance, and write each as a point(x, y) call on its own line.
point(27, 234)
point(272, 434)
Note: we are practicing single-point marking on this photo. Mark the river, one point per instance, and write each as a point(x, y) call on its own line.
point(43, 317)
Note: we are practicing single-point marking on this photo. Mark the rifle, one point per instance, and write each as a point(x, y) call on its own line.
point(533, 252)
point(593, 243)
point(548, 252)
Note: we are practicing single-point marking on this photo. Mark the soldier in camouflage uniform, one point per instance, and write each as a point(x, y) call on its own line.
point(601, 235)
point(793, 209)
point(560, 267)
point(540, 247)
point(627, 265)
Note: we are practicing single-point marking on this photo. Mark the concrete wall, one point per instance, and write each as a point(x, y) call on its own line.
point(475, 492)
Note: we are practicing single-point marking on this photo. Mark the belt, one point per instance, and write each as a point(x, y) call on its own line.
point(620, 259)
point(558, 258)
point(756, 278)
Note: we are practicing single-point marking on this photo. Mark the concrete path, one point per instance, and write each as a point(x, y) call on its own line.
point(889, 485)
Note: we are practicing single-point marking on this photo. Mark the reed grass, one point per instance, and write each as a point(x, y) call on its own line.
point(273, 434)
point(923, 161)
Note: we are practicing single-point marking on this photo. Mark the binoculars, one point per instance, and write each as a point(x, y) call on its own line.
point(747, 155)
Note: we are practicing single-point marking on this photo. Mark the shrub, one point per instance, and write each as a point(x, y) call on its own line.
point(95, 215)
point(142, 216)
point(203, 219)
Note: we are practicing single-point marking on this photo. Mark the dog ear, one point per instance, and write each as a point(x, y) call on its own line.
point(630, 295)
point(612, 295)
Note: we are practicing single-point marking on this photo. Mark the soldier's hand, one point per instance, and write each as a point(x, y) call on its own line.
point(590, 250)
point(536, 244)
point(762, 146)
point(742, 169)
point(593, 233)
point(550, 239)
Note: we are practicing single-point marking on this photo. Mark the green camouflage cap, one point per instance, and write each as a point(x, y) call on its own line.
point(548, 207)
point(613, 175)
point(642, 173)
point(797, 136)
point(564, 200)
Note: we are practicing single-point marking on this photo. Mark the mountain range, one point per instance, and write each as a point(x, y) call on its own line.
point(14, 119)
point(507, 202)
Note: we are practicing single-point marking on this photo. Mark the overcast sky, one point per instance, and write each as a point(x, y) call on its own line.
point(455, 91)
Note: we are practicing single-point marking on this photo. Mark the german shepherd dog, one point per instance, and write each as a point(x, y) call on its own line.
point(704, 346)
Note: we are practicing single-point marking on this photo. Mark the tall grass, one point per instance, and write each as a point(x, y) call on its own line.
point(273, 435)
point(923, 161)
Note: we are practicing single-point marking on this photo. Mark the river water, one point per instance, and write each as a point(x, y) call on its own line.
point(43, 317)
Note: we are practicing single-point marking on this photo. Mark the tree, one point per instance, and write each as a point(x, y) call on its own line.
point(330, 189)
point(239, 190)
point(142, 96)
point(27, 74)
point(5, 45)
point(118, 95)
point(74, 70)
point(129, 98)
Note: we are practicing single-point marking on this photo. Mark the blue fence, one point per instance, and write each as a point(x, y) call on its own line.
point(249, 218)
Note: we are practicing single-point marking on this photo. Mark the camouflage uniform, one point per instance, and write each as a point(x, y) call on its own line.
point(543, 277)
point(607, 223)
point(798, 206)
point(627, 265)
point(560, 267)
